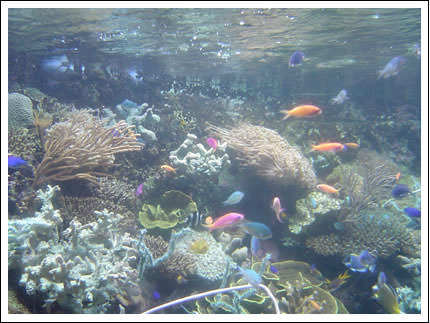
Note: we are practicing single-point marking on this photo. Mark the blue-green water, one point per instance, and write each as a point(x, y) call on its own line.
point(177, 77)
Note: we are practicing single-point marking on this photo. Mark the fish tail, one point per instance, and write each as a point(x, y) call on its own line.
point(287, 114)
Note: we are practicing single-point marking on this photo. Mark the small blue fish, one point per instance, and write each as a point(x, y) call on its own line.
point(313, 267)
point(234, 198)
point(296, 58)
point(361, 263)
point(392, 68)
point(257, 229)
point(250, 276)
point(156, 295)
point(412, 212)
point(314, 203)
point(273, 269)
point(400, 190)
point(15, 162)
point(128, 104)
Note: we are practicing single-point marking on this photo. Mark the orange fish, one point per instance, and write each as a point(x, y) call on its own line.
point(398, 176)
point(168, 168)
point(328, 189)
point(301, 111)
point(329, 146)
point(315, 305)
point(351, 145)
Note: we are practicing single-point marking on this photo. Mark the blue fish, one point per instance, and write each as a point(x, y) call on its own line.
point(273, 269)
point(250, 276)
point(256, 250)
point(128, 104)
point(392, 68)
point(296, 58)
point(156, 295)
point(257, 229)
point(314, 203)
point(313, 268)
point(361, 263)
point(234, 198)
point(400, 190)
point(339, 226)
point(15, 162)
point(412, 212)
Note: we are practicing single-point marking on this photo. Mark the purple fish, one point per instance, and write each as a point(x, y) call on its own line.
point(392, 68)
point(139, 189)
point(412, 212)
point(273, 269)
point(156, 295)
point(296, 58)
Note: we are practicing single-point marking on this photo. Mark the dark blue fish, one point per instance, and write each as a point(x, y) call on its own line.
point(15, 162)
point(400, 190)
point(363, 262)
point(313, 267)
point(273, 269)
point(296, 58)
point(156, 294)
point(412, 212)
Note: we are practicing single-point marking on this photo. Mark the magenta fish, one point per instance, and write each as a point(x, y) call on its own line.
point(226, 220)
point(212, 142)
point(139, 189)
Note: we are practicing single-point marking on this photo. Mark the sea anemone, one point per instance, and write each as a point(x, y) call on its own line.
point(199, 246)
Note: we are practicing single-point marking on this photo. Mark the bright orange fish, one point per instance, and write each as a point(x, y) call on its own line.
point(168, 168)
point(301, 111)
point(329, 146)
point(209, 220)
point(328, 189)
point(398, 176)
point(351, 145)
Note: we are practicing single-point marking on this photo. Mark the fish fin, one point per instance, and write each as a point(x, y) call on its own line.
point(286, 114)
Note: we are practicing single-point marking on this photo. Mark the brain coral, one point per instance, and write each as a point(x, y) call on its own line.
point(20, 111)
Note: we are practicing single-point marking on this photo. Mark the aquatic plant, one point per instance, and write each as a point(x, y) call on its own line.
point(268, 154)
point(79, 147)
point(199, 246)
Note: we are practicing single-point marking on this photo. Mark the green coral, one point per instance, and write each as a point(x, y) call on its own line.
point(174, 208)
point(295, 285)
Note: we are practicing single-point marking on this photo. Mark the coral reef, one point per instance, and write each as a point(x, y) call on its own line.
point(265, 152)
point(314, 205)
point(409, 299)
point(172, 209)
point(75, 149)
point(24, 143)
point(199, 246)
point(211, 265)
point(195, 160)
point(178, 263)
point(294, 284)
point(377, 232)
point(115, 190)
point(83, 272)
point(146, 124)
point(20, 111)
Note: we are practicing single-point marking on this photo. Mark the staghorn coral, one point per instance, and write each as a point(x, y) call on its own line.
point(265, 152)
point(77, 148)
point(377, 233)
point(20, 111)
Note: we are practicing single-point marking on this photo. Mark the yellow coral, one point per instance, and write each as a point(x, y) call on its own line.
point(200, 246)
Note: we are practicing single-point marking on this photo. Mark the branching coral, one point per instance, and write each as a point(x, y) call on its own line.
point(268, 154)
point(78, 147)
point(379, 234)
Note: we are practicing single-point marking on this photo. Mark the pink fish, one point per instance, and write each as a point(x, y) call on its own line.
point(212, 142)
point(279, 212)
point(226, 220)
point(139, 189)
